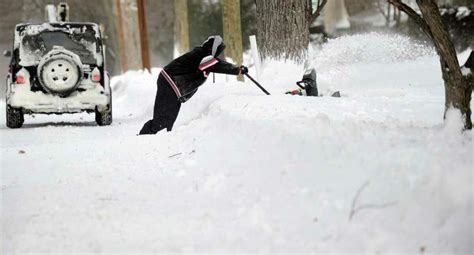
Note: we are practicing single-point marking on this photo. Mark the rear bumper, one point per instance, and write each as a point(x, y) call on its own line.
point(20, 96)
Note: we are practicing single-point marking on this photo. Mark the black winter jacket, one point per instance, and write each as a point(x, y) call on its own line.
point(189, 71)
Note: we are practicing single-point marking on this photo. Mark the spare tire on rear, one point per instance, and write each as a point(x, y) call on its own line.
point(60, 71)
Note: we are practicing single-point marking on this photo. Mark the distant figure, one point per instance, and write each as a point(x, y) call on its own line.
point(180, 79)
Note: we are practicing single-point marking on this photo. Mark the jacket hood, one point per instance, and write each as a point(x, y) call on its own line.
point(214, 45)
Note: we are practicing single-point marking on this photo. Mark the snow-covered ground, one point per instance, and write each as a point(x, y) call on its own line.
point(376, 170)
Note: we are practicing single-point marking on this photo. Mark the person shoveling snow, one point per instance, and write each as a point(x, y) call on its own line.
point(180, 79)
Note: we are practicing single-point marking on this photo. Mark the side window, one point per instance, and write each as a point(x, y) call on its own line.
point(33, 44)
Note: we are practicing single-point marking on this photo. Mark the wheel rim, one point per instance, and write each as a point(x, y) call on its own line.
point(60, 75)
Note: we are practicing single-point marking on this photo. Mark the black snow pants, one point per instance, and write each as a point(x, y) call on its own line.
point(165, 111)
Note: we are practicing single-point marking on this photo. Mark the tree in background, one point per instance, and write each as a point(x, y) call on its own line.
point(313, 15)
point(101, 12)
point(205, 18)
point(458, 88)
point(389, 12)
point(336, 18)
point(160, 21)
point(283, 29)
point(248, 18)
point(121, 35)
point(181, 26)
point(105, 13)
point(143, 32)
point(233, 32)
point(33, 11)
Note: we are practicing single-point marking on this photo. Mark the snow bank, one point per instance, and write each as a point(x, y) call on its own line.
point(133, 93)
point(375, 171)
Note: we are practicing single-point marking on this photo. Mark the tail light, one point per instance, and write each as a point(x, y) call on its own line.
point(96, 75)
point(21, 76)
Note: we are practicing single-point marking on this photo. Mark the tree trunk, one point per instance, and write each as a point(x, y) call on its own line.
point(103, 13)
point(121, 35)
point(335, 17)
point(33, 11)
point(457, 88)
point(160, 17)
point(283, 29)
point(233, 32)
point(132, 43)
point(143, 31)
point(181, 26)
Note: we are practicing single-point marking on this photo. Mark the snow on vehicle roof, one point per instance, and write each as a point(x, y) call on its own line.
point(36, 28)
point(53, 24)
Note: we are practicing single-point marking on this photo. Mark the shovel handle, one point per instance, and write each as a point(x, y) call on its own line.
point(256, 83)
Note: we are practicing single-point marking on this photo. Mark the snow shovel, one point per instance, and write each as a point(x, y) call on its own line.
point(256, 83)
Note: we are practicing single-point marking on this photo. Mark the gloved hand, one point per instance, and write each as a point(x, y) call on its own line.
point(243, 70)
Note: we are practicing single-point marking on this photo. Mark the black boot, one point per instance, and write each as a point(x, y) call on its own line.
point(151, 128)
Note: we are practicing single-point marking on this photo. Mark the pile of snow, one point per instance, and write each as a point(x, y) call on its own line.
point(375, 171)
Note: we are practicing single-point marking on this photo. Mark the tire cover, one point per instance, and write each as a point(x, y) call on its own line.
point(60, 71)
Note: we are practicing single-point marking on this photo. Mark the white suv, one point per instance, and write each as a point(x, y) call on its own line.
point(57, 68)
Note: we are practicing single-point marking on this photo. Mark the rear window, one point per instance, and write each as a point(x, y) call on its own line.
point(37, 40)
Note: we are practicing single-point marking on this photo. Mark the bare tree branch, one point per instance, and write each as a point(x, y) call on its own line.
point(356, 197)
point(412, 14)
point(374, 206)
point(319, 8)
point(355, 208)
point(174, 155)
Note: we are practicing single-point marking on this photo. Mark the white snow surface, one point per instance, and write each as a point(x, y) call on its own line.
point(243, 172)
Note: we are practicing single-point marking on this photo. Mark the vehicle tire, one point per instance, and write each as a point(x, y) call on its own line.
point(14, 117)
point(60, 72)
point(104, 118)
